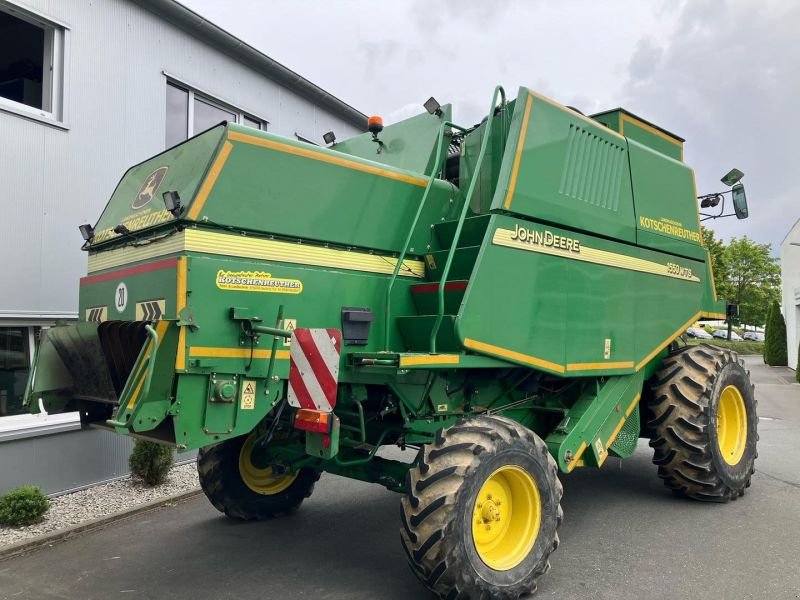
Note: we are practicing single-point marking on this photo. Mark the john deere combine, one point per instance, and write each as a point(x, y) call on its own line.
point(505, 299)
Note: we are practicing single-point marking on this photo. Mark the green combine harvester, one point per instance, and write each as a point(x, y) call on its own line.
point(506, 300)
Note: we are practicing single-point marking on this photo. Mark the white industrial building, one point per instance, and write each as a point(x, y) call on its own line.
point(790, 284)
point(88, 89)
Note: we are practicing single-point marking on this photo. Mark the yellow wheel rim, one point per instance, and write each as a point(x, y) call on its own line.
point(261, 481)
point(731, 425)
point(506, 518)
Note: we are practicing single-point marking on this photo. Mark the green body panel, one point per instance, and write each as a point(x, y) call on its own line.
point(554, 308)
point(409, 145)
point(186, 165)
point(594, 420)
point(348, 201)
point(559, 303)
point(569, 170)
point(635, 128)
point(145, 281)
point(662, 223)
point(210, 306)
point(340, 199)
point(142, 408)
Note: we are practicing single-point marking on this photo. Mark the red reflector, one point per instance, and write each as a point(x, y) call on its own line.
point(313, 420)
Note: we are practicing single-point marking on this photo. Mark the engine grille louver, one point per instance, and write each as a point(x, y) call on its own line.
point(593, 169)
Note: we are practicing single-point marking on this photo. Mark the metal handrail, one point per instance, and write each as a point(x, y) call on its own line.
point(440, 154)
point(151, 364)
point(446, 271)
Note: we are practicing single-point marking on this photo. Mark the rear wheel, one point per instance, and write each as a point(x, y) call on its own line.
point(704, 423)
point(241, 489)
point(482, 509)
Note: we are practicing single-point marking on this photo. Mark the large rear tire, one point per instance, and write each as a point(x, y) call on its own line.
point(244, 491)
point(704, 424)
point(482, 510)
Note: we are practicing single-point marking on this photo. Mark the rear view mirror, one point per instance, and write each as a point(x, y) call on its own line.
point(739, 201)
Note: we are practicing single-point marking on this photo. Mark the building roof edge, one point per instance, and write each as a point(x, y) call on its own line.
point(197, 25)
point(791, 229)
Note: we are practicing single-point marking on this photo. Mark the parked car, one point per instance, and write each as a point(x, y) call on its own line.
point(699, 333)
point(755, 336)
point(723, 335)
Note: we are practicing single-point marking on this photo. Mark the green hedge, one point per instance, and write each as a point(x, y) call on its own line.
point(150, 462)
point(745, 347)
point(797, 368)
point(775, 352)
point(24, 505)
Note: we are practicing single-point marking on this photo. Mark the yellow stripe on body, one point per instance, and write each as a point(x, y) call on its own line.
point(249, 247)
point(512, 182)
point(326, 158)
point(511, 354)
point(618, 428)
point(666, 342)
point(576, 459)
point(432, 359)
point(625, 118)
point(209, 181)
point(710, 315)
point(211, 352)
point(306, 254)
point(502, 237)
point(635, 401)
point(577, 115)
point(593, 366)
point(108, 259)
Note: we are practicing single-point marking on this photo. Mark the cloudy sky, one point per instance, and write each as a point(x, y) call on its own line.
point(725, 75)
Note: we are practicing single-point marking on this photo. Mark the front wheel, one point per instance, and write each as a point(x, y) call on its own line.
point(704, 424)
point(243, 490)
point(481, 511)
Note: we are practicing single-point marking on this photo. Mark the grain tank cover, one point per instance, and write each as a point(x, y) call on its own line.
point(644, 132)
point(137, 201)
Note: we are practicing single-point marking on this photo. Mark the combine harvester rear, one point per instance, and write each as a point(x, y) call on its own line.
point(504, 299)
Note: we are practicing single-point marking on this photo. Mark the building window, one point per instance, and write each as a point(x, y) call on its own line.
point(14, 368)
point(31, 63)
point(190, 112)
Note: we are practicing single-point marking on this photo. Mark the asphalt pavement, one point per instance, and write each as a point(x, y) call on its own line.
point(624, 537)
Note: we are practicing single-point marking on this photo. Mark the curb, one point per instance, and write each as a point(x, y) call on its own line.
point(86, 526)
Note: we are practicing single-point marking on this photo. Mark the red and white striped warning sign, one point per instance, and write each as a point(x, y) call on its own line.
point(314, 368)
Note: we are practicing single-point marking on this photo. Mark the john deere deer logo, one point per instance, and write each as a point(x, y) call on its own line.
point(149, 187)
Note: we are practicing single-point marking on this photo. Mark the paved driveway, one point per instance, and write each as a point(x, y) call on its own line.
point(624, 537)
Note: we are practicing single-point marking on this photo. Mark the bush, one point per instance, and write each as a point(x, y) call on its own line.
point(23, 506)
point(150, 462)
point(775, 352)
point(797, 369)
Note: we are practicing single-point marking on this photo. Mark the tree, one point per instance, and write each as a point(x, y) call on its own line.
point(753, 279)
point(775, 343)
point(716, 248)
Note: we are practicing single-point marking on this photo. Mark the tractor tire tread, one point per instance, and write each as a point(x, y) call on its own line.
point(435, 484)
point(679, 419)
point(217, 469)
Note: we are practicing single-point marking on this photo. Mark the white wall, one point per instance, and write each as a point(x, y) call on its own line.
point(54, 179)
point(790, 282)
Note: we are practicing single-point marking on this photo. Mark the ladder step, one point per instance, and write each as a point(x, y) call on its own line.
point(416, 333)
point(461, 268)
point(471, 233)
point(426, 296)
